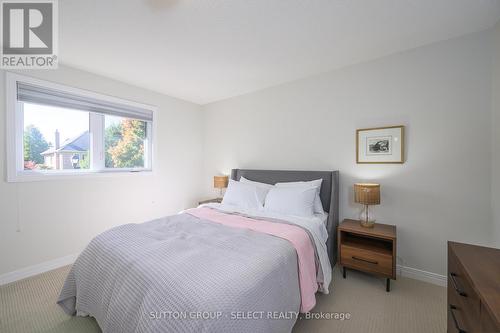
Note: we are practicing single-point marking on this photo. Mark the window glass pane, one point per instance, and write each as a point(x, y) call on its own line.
point(55, 138)
point(124, 142)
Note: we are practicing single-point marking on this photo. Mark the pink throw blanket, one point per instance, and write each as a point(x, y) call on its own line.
point(294, 234)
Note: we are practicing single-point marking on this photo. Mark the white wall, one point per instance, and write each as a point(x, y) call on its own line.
point(441, 92)
point(58, 218)
point(495, 194)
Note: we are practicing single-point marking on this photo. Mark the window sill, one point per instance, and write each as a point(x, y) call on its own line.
point(33, 176)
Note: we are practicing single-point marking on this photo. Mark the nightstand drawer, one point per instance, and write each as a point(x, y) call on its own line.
point(365, 260)
point(371, 250)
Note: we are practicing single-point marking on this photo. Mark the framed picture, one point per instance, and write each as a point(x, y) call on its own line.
point(380, 145)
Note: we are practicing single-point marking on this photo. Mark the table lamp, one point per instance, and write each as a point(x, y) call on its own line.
point(367, 194)
point(221, 182)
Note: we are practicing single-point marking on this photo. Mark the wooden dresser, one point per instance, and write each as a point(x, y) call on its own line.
point(473, 288)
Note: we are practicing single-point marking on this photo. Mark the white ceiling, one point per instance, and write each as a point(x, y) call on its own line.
point(206, 50)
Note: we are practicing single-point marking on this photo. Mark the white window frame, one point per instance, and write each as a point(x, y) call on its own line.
point(15, 134)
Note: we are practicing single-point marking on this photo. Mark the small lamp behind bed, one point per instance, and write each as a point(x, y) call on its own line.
point(221, 182)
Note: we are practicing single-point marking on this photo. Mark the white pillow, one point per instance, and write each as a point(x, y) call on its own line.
point(318, 206)
point(244, 195)
point(265, 186)
point(298, 201)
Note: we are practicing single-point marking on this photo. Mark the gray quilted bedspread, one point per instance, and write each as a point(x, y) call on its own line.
point(183, 274)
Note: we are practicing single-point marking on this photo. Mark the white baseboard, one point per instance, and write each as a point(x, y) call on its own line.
point(37, 269)
point(421, 275)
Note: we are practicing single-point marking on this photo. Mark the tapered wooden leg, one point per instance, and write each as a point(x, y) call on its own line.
point(343, 272)
point(388, 285)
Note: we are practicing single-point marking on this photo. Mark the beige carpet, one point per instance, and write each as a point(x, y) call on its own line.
point(412, 306)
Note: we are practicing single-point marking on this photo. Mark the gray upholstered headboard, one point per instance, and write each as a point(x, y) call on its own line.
point(329, 194)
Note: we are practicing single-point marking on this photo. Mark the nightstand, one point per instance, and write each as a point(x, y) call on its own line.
point(371, 250)
point(215, 200)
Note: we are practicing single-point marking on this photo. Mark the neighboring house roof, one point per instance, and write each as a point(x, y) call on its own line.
point(80, 143)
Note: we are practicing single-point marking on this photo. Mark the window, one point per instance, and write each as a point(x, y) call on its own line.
point(55, 138)
point(55, 130)
point(124, 142)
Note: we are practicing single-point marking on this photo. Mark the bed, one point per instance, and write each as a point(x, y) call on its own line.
point(208, 269)
point(329, 194)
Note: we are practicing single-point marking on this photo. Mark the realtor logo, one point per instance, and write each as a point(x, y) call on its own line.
point(29, 34)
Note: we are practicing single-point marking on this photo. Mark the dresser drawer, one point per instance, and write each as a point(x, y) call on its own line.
point(473, 288)
point(462, 297)
point(457, 322)
point(368, 261)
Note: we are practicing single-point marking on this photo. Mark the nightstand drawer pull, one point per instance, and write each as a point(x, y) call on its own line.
point(455, 285)
point(365, 260)
point(453, 307)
